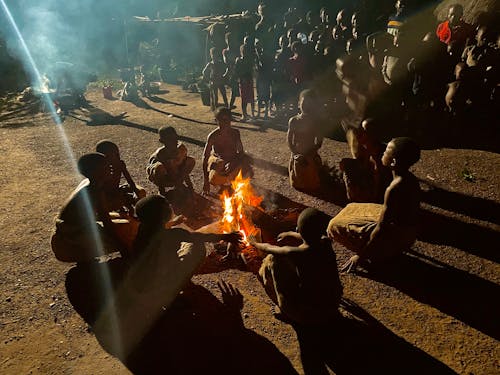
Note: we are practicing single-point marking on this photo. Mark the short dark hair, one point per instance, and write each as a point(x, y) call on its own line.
point(458, 7)
point(219, 111)
point(153, 209)
point(89, 163)
point(406, 151)
point(167, 132)
point(312, 225)
point(106, 147)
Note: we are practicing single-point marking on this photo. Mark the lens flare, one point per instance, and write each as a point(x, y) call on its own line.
point(37, 80)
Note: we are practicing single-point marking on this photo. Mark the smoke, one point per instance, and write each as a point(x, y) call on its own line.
point(87, 33)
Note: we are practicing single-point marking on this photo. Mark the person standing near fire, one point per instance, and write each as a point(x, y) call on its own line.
point(224, 156)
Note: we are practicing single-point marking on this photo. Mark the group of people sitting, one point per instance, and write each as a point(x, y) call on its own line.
point(102, 216)
point(411, 67)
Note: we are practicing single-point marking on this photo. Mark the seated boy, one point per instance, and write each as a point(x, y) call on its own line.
point(169, 166)
point(303, 280)
point(364, 176)
point(379, 232)
point(224, 157)
point(84, 229)
point(163, 263)
point(304, 142)
point(118, 196)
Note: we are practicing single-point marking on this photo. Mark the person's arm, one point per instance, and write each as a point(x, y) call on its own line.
point(277, 250)
point(290, 135)
point(198, 237)
point(292, 234)
point(205, 72)
point(206, 155)
point(237, 143)
point(128, 177)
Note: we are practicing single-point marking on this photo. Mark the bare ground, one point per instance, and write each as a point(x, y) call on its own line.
point(438, 312)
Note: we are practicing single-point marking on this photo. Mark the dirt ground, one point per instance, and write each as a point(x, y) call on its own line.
point(438, 312)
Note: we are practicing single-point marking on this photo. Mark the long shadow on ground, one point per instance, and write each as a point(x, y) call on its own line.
point(196, 334)
point(479, 208)
point(478, 240)
point(457, 293)
point(358, 344)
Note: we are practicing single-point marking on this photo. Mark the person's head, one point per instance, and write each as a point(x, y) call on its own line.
point(282, 41)
point(243, 50)
point(349, 46)
point(223, 117)
point(324, 15)
point(168, 136)
point(312, 225)
point(313, 36)
point(455, 13)
point(401, 153)
point(109, 149)
point(296, 47)
point(93, 166)
point(484, 36)
point(308, 101)
point(460, 71)
point(341, 17)
point(336, 32)
point(400, 6)
point(291, 34)
point(261, 9)
point(228, 37)
point(309, 17)
point(368, 132)
point(153, 210)
point(213, 53)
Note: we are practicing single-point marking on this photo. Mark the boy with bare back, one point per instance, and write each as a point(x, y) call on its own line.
point(84, 228)
point(224, 156)
point(303, 280)
point(377, 233)
point(119, 196)
point(304, 142)
point(170, 166)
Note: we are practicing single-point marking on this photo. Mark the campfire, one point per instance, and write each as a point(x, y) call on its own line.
point(245, 211)
point(237, 208)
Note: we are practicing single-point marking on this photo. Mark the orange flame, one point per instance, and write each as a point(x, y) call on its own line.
point(234, 217)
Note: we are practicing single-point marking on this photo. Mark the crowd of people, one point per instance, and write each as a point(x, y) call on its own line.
point(385, 76)
point(399, 72)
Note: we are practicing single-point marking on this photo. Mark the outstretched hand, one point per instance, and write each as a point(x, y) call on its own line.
point(234, 237)
point(350, 265)
point(231, 296)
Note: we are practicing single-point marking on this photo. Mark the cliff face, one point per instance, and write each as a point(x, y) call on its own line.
point(472, 8)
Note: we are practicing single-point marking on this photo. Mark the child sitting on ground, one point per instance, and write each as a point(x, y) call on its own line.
point(163, 263)
point(214, 73)
point(169, 166)
point(124, 195)
point(303, 280)
point(364, 175)
point(84, 229)
point(223, 156)
point(304, 141)
point(378, 233)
